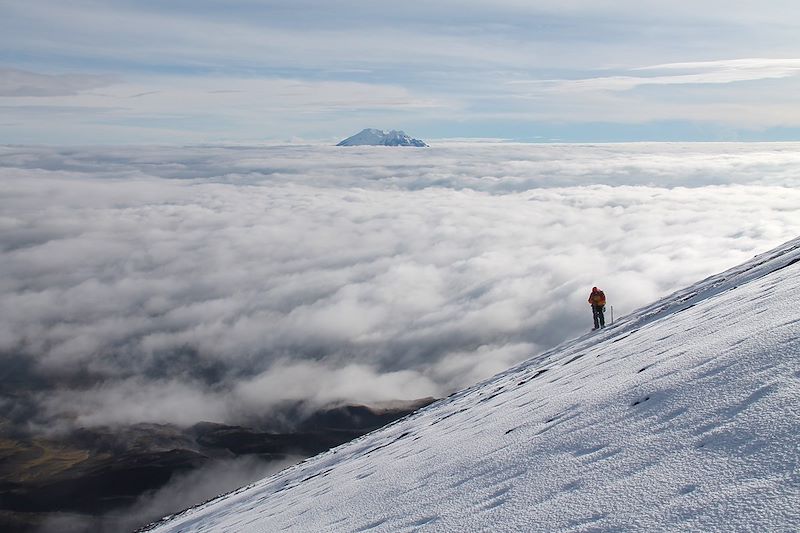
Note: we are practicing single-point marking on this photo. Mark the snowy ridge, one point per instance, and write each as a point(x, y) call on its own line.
point(681, 416)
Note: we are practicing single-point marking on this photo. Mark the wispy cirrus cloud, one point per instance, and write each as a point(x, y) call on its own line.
point(443, 69)
point(213, 107)
point(700, 72)
point(20, 83)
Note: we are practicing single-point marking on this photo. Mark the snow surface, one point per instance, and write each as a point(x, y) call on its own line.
point(373, 137)
point(683, 416)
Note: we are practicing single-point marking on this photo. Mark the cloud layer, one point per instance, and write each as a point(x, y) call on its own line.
point(218, 283)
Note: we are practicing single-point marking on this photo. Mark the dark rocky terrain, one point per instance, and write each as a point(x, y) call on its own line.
point(92, 471)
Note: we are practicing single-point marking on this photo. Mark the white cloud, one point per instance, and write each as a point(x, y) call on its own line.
point(182, 284)
point(782, 67)
point(700, 72)
point(290, 381)
point(706, 95)
point(346, 37)
point(20, 83)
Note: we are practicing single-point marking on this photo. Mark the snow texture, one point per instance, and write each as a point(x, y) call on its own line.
point(373, 137)
point(682, 416)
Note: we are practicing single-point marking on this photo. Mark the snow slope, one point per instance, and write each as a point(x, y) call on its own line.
point(682, 416)
point(373, 137)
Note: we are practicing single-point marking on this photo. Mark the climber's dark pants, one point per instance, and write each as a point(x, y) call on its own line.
point(599, 318)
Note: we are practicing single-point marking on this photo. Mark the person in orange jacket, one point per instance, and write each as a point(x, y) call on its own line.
point(597, 299)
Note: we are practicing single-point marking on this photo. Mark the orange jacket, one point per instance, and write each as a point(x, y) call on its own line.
point(597, 298)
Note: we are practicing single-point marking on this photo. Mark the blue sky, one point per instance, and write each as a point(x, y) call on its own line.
point(247, 70)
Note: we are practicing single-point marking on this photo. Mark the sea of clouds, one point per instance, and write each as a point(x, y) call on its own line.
point(180, 284)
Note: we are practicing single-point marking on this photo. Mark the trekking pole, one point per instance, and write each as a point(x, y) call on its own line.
point(612, 315)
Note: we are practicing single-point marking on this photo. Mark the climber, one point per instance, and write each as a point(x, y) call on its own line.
point(598, 302)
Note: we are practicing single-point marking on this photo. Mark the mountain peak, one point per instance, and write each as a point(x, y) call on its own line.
point(375, 137)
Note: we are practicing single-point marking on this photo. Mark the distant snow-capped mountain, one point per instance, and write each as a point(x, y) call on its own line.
point(373, 137)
